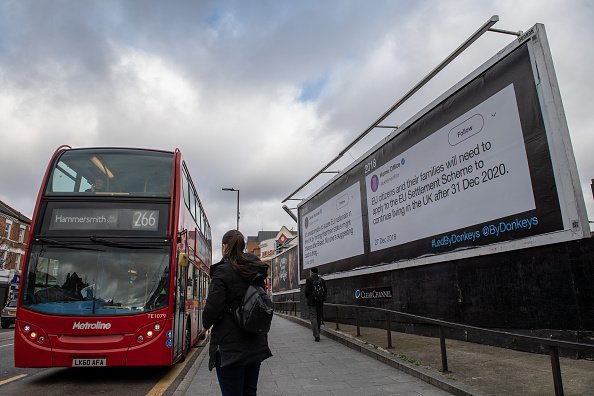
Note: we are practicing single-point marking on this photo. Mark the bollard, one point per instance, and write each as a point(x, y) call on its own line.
point(357, 321)
point(444, 356)
point(337, 328)
point(554, 352)
point(389, 329)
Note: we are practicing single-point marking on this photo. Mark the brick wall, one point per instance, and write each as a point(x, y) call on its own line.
point(10, 243)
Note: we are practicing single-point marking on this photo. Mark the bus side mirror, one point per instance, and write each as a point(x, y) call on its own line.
point(182, 259)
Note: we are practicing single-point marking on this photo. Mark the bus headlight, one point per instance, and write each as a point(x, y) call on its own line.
point(34, 333)
point(150, 332)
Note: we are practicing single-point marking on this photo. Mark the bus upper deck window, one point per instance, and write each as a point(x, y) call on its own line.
point(115, 172)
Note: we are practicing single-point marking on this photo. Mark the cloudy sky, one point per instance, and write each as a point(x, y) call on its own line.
point(258, 95)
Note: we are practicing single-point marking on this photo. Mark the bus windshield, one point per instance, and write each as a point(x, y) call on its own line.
point(115, 172)
point(96, 279)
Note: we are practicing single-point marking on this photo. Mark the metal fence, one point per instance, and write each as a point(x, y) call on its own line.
point(553, 346)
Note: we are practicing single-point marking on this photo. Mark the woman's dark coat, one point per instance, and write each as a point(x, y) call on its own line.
point(229, 345)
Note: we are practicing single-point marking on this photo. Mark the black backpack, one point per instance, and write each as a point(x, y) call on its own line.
point(254, 314)
point(318, 289)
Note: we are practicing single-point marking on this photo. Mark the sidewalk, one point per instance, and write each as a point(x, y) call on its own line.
point(300, 366)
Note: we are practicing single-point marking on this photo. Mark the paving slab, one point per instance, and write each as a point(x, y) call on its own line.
point(300, 366)
point(346, 364)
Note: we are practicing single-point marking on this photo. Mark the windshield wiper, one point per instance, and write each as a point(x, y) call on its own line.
point(109, 242)
point(53, 242)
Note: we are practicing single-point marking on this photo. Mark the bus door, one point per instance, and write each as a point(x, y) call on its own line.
point(179, 324)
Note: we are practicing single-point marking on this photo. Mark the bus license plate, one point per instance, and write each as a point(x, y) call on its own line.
point(88, 362)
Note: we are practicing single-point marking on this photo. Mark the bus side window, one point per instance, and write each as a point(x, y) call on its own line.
point(204, 287)
point(198, 287)
point(190, 281)
point(186, 190)
point(195, 284)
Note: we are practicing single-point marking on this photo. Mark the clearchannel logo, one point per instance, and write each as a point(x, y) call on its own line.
point(91, 326)
point(373, 293)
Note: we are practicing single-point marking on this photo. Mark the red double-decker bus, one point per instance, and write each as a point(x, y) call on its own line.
point(116, 266)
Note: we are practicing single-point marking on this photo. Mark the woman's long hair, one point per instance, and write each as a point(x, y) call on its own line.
point(246, 264)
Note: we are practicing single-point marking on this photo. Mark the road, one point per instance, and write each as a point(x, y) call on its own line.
point(88, 381)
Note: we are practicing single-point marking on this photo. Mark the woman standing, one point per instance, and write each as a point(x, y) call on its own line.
point(234, 353)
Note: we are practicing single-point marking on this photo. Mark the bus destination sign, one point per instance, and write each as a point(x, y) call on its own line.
point(104, 219)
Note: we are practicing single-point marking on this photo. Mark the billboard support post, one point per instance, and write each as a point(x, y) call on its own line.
point(519, 33)
point(480, 31)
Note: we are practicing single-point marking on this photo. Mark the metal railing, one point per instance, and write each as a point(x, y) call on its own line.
point(288, 307)
point(553, 346)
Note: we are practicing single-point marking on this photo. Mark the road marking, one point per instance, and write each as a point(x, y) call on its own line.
point(6, 381)
point(2, 346)
point(161, 386)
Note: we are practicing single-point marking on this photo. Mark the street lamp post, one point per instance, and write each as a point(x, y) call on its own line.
point(232, 189)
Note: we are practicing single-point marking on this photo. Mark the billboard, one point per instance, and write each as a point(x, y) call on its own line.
point(487, 167)
point(333, 231)
point(285, 272)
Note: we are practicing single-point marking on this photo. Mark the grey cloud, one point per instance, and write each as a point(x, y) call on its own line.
point(62, 69)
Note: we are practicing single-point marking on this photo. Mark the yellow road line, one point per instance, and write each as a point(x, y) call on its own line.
point(161, 386)
point(6, 381)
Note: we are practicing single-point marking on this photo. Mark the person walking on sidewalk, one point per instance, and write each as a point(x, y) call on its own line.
point(235, 353)
point(315, 293)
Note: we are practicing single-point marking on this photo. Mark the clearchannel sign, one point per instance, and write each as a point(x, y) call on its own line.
point(374, 293)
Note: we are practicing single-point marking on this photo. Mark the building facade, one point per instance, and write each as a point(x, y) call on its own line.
point(270, 247)
point(268, 244)
point(253, 242)
point(14, 231)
